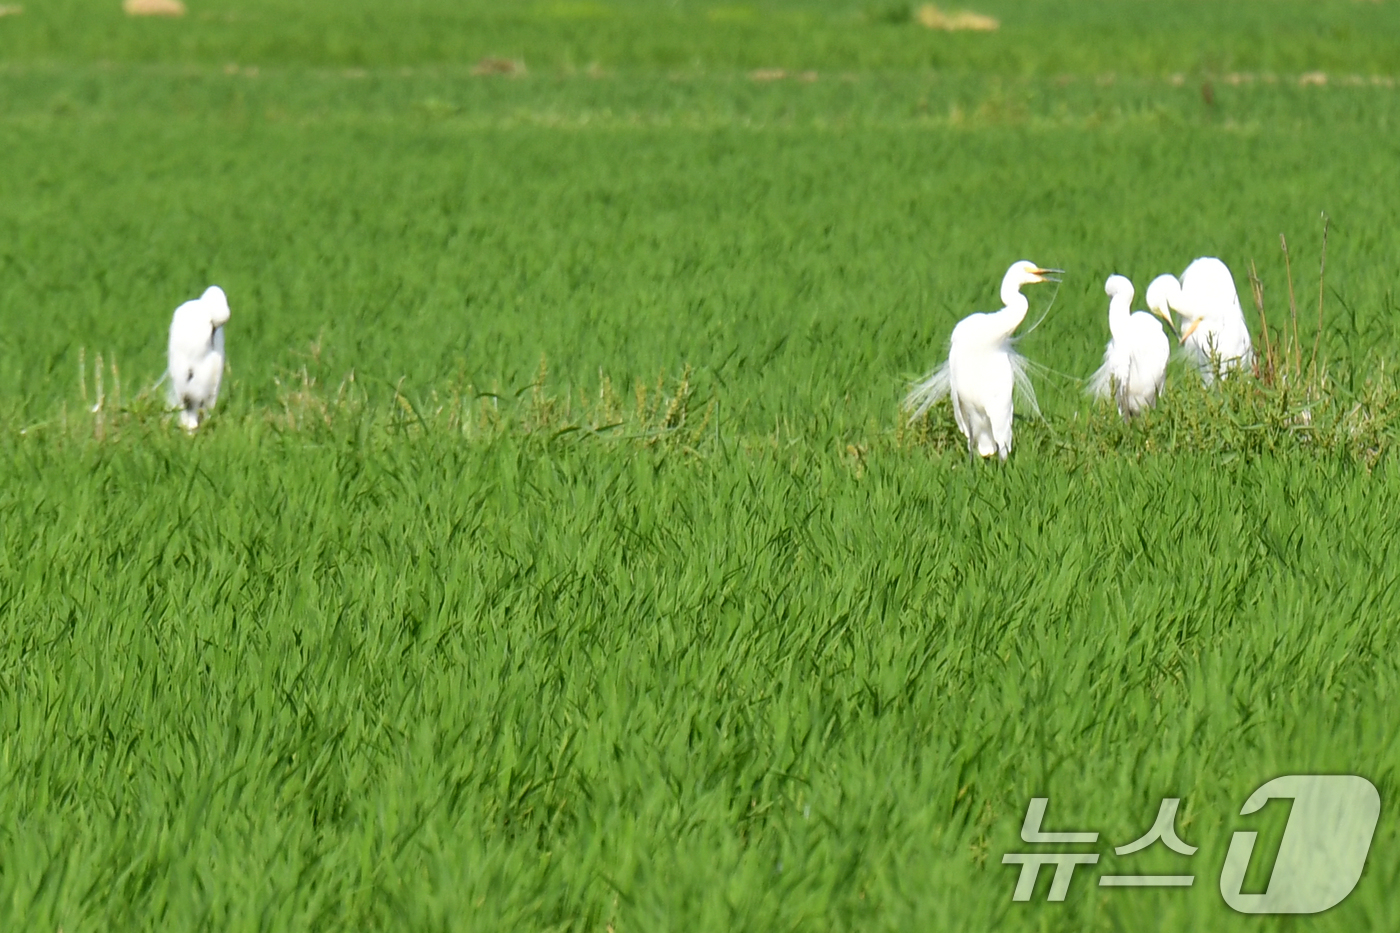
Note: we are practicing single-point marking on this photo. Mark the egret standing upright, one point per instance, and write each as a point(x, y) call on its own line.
point(983, 370)
point(1135, 361)
point(196, 358)
point(1212, 330)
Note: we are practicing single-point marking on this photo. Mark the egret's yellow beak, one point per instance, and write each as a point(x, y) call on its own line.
point(1191, 329)
point(1048, 275)
point(1167, 316)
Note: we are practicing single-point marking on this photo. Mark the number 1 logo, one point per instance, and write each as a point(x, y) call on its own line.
point(1324, 845)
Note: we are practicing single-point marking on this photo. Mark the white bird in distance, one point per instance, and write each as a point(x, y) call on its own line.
point(1213, 331)
point(983, 371)
point(196, 358)
point(1135, 361)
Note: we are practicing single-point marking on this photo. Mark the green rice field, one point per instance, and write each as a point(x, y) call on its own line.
point(558, 556)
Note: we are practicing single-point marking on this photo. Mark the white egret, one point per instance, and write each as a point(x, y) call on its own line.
point(1135, 361)
point(983, 370)
point(1213, 330)
point(196, 359)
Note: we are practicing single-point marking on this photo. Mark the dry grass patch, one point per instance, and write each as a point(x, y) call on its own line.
point(932, 17)
point(153, 8)
point(507, 67)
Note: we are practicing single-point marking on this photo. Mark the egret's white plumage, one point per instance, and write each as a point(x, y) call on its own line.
point(1135, 361)
point(196, 359)
point(983, 371)
point(1213, 331)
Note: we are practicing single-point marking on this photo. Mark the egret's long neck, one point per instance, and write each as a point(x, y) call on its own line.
point(1119, 307)
point(1014, 307)
point(1169, 296)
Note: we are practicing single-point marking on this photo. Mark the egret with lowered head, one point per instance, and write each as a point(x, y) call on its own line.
point(196, 359)
point(1213, 330)
point(983, 371)
point(1135, 361)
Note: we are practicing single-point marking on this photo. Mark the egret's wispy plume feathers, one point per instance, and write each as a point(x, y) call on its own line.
point(1100, 384)
point(937, 386)
point(1021, 380)
point(927, 392)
